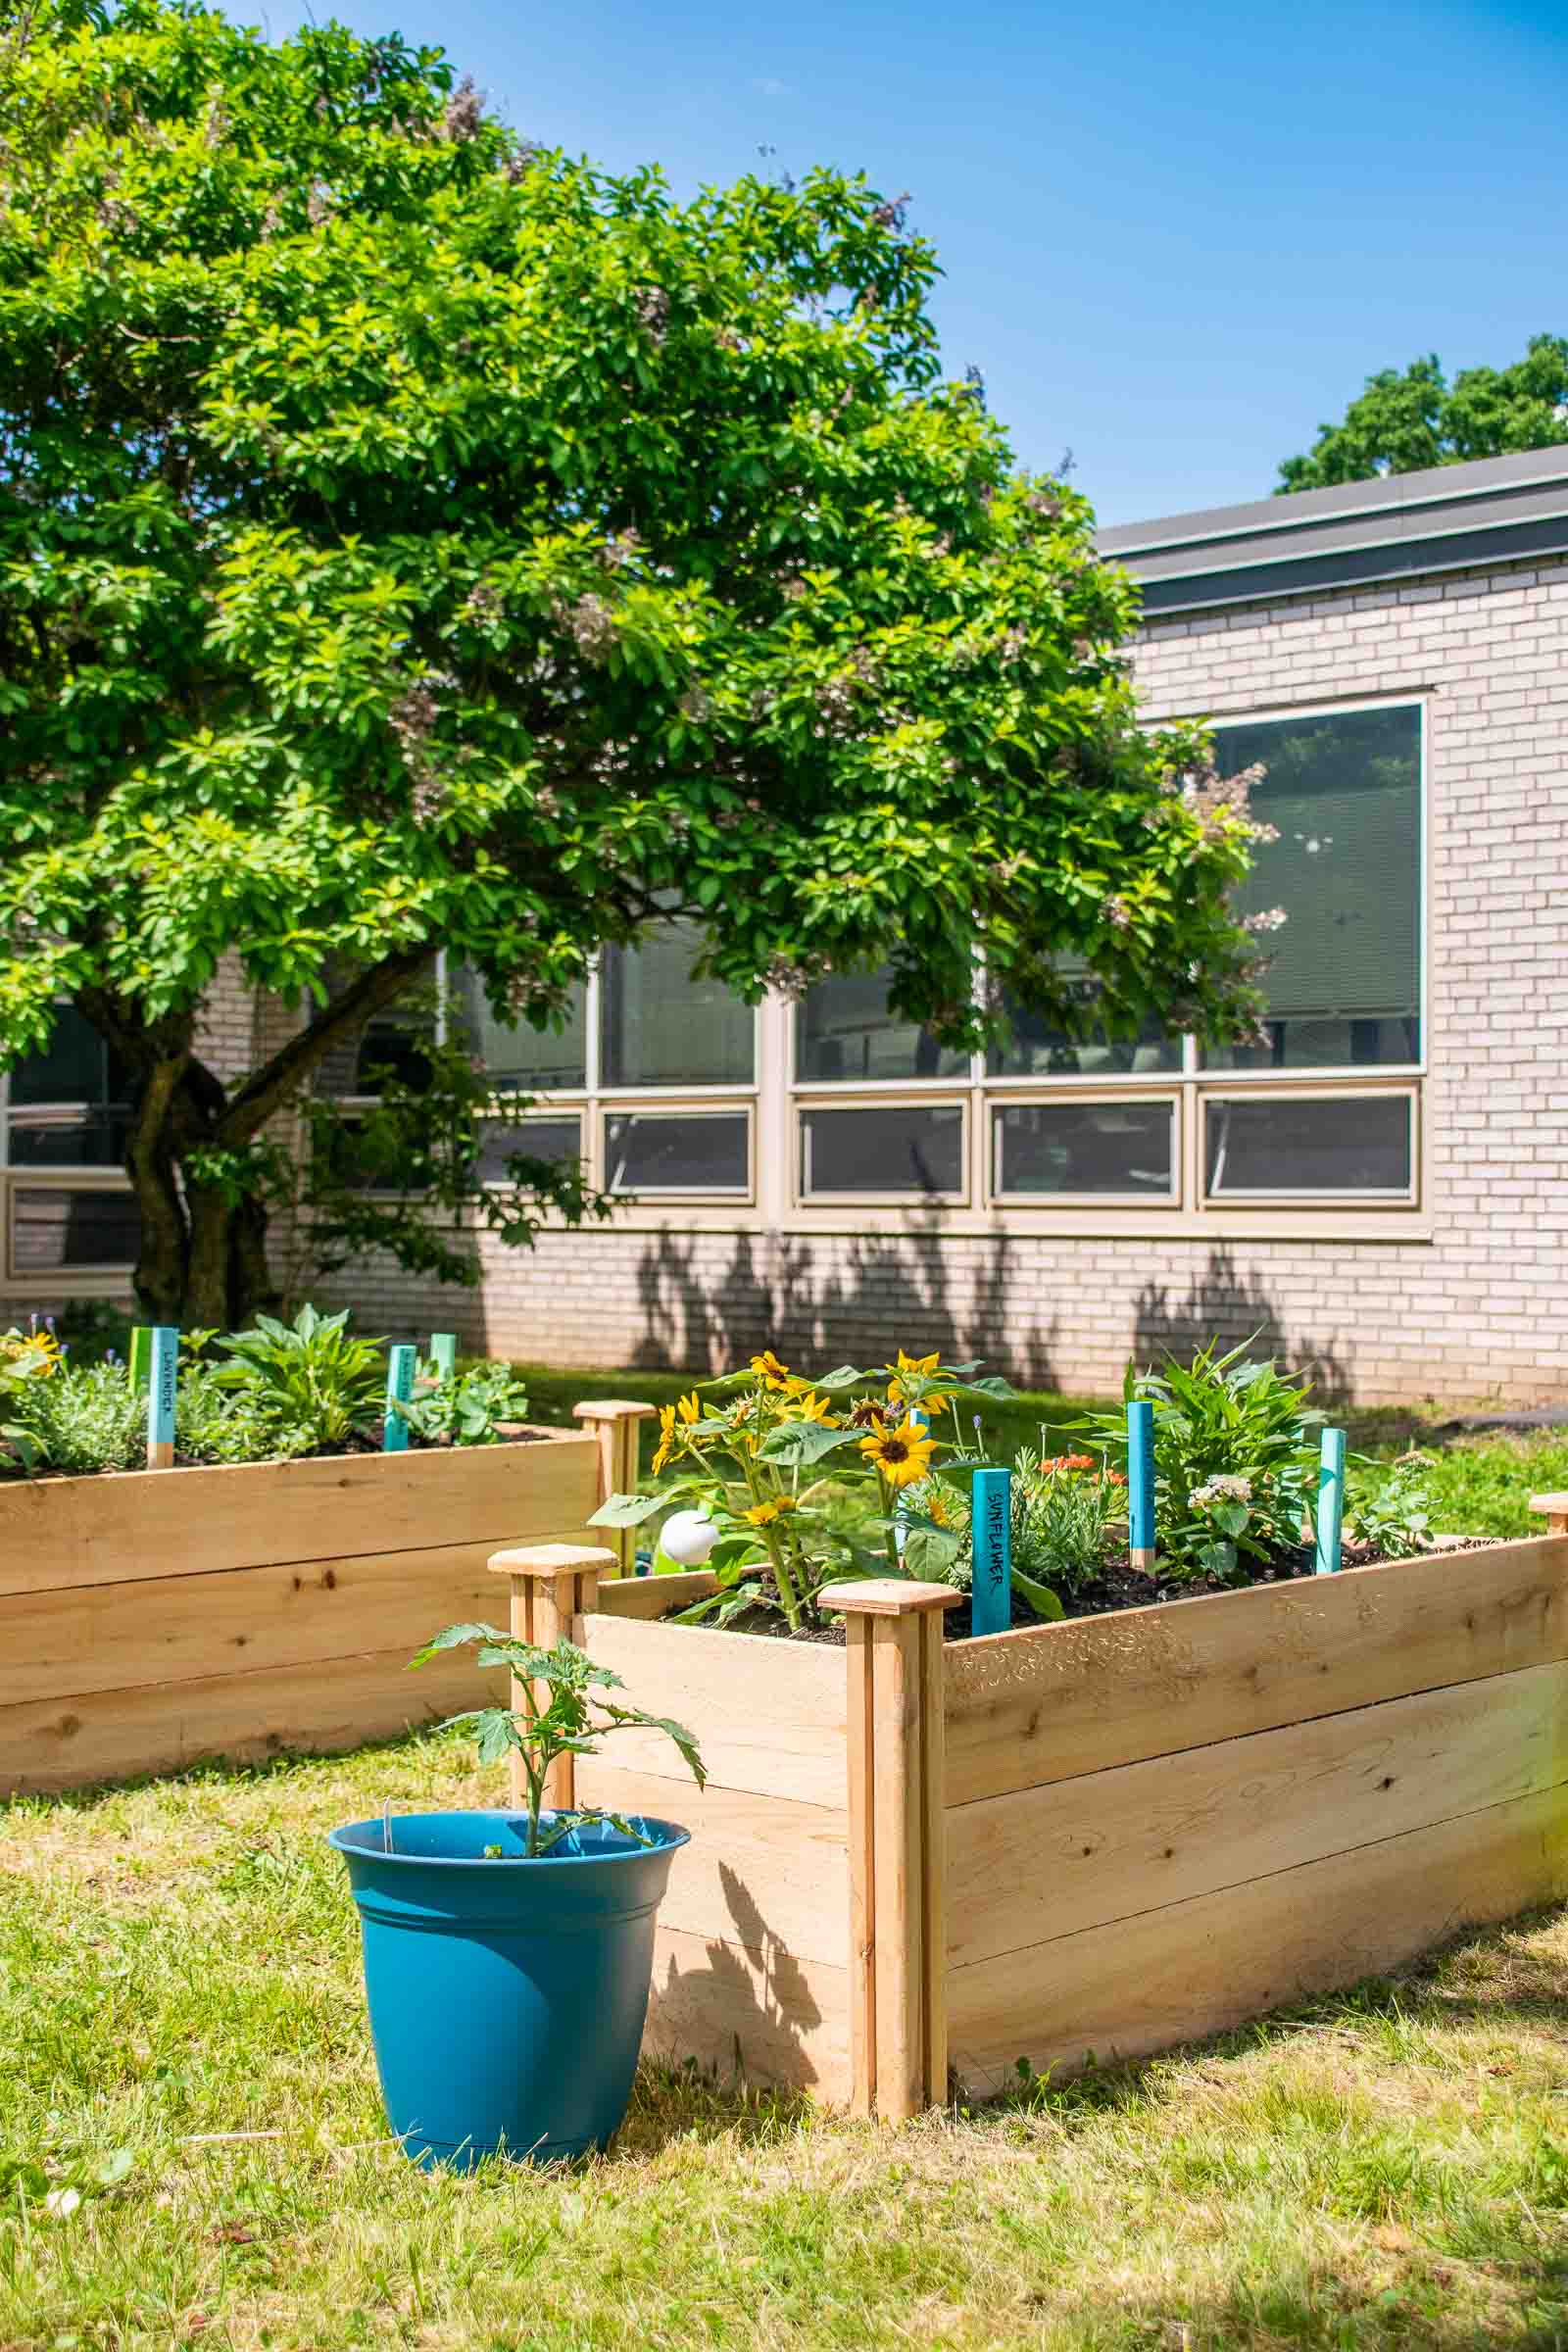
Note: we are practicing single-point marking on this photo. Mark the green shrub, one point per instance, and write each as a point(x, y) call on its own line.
point(309, 1380)
point(466, 1409)
point(1236, 1457)
point(81, 1420)
point(1391, 1507)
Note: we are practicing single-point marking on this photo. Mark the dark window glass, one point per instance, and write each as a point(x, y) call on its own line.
point(94, 1139)
point(1312, 1144)
point(69, 1105)
point(1344, 979)
point(661, 1027)
point(678, 1152)
point(512, 1052)
point(844, 1030)
point(540, 1138)
point(1037, 1050)
point(1084, 1148)
point(55, 1231)
point(894, 1148)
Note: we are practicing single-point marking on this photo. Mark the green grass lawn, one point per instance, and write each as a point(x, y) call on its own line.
point(1479, 1485)
point(185, 2048)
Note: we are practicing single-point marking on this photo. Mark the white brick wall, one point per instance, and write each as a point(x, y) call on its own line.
point(1473, 1312)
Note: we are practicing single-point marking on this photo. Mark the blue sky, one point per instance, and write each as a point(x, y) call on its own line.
point(1177, 233)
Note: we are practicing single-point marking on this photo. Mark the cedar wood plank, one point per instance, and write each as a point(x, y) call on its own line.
point(1053, 1701)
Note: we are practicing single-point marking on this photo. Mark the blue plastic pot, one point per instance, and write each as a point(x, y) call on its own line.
point(507, 1996)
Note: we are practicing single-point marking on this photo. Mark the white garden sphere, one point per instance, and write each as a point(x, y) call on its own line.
point(688, 1538)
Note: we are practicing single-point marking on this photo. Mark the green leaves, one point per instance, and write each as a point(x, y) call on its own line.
point(561, 1714)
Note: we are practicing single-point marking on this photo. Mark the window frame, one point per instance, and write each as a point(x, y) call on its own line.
point(1225, 1203)
point(621, 1104)
point(1054, 1098)
point(918, 1097)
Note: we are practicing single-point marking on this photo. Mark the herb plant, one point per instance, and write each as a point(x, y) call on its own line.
point(470, 1408)
point(1066, 1508)
point(1391, 1507)
point(80, 1421)
point(309, 1379)
point(562, 1714)
point(1235, 1460)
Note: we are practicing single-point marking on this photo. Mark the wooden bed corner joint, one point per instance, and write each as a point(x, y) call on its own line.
point(897, 1917)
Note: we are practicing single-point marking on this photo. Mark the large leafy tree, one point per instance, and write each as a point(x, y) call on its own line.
point(414, 541)
point(1400, 423)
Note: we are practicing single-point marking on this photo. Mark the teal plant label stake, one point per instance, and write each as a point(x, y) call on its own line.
point(1330, 1502)
point(1141, 1484)
point(161, 1375)
point(399, 1389)
point(444, 1354)
point(990, 1524)
point(140, 1364)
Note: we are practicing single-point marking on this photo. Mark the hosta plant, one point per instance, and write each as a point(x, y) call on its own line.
point(1235, 1458)
point(804, 1481)
point(562, 1713)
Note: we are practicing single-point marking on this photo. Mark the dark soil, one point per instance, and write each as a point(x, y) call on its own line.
point(1119, 1586)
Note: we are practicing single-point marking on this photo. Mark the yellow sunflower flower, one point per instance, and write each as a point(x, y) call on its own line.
point(763, 1514)
point(689, 1408)
point(812, 1407)
point(924, 1365)
point(666, 1437)
point(903, 1454)
point(770, 1370)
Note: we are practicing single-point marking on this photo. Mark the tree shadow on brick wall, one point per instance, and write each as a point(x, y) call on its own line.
point(820, 1302)
point(693, 1320)
point(1223, 1304)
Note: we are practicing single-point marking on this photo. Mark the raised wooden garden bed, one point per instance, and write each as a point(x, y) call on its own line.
point(151, 1617)
point(1098, 1836)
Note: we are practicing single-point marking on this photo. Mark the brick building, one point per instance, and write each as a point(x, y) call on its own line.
point(1383, 1190)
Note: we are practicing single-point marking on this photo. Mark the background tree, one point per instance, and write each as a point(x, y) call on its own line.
point(1402, 422)
point(411, 540)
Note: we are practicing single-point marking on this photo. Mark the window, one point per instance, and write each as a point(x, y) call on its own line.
point(846, 1034)
point(891, 1149)
point(549, 1138)
point(66, 1211)
point(1037, 1050)
point(515, 1053)
point(1344, 790)
point(69, 1105)
point(661, 1027)
point(684, 1152)
point(59, 1229)
point(1117, 1150)
point(1272, 1145)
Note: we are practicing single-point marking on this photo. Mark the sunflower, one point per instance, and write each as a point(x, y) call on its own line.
point(903, 1456)
point(666, 1437)
point(812, 1407)
point(689, 1408)
point(922, 1366)
point(769, 1371)
point(870, 1414)
point(763, 1514)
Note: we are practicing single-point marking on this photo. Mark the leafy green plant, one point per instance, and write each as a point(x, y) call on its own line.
point(1391, 1507)
point(468, 1409)
point(216, 1423)
point(1066, 1508)
point(561, 1715)
point(1235, 1460)
point(804, 1481)
point(81, 1421)
point(311, 1378)
point(28, 1359)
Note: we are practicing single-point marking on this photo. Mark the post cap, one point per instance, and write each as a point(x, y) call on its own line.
point(1554, 1505)
point(886, 1597)
point(551, 1561)
point(613, 1408)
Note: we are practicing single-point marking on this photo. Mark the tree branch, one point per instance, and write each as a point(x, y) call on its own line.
point(266, 1090)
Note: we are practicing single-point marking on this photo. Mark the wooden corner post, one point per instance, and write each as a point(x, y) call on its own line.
point(551, 1585)
point(1553, 1509)
point(614, 1422)
point(897, 1922)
